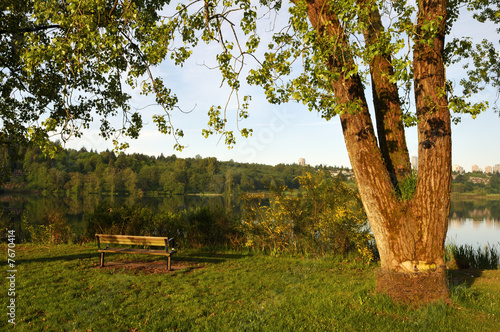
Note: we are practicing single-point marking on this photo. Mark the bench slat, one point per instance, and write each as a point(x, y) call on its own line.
point(136, 251)
point(133, 240)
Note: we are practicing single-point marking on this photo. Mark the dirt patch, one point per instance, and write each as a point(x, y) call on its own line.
point(414, 288)
point(152, 267)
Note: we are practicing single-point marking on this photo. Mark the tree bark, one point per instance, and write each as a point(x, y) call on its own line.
point(409, 234)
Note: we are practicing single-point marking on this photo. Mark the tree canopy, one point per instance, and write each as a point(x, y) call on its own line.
point(64, 64)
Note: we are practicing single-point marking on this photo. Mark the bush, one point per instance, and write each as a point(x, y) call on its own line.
point(105, 220)
point(325, 216)
point(6, 224)
point(195, 228)
point(53, 229)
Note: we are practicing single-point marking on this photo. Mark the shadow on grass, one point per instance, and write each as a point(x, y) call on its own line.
point(210, 258)
point(58, 258)
point(198, 258)
point(463, 277)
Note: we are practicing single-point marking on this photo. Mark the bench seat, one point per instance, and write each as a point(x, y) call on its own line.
point(136, 251)
point(135, 240)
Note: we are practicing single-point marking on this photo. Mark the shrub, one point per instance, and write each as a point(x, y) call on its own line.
point(53, 229)
point(34, 233)
point(325, 216)
point(5, 225)
point(57, 225)
point(192, 228)
point(198, 227)
point(104, 219)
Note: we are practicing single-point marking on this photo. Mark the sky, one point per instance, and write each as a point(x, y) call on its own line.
point(283, 133)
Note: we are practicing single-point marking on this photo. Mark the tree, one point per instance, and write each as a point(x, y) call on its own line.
point(129, 180)
point(343, 46)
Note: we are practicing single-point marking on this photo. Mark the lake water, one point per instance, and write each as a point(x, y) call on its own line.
point(474, 222)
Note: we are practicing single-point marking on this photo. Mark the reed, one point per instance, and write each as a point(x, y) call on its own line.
point(466, 256)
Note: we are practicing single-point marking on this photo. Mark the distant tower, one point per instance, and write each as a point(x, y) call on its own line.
point(414, 162)
point(457, 168)
point(488, 169)
point(475, 168)
point(496, 168)
point(302, 162)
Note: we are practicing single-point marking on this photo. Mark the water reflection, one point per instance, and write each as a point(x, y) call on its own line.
point(475, 222)
point(17, 210)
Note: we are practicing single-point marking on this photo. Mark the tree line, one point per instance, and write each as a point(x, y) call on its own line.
point(90, 172)
point(25, 167)
point(476, 183)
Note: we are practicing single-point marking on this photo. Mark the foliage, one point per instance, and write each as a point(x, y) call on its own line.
point(53, 229)
point(407, 187)
point(465, 256)
point(125, 220)
point(53, 70)
point(477, 183)
point(74, 172)
point(326, 216)
point(190, 228)
point(53, 75)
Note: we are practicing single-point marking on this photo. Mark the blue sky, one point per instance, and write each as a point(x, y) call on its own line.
point(283, 133)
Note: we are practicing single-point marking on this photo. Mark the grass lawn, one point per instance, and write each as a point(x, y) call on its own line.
point(61, 288)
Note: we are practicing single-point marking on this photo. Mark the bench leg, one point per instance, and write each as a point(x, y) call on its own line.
point(168, 263)
point(102, 259)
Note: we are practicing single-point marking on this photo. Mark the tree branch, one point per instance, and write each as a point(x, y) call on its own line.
point(373, 180)
point(388, 113)
point(32, 29)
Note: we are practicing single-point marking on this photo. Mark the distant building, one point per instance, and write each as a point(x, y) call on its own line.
point(488, 169)
point(345, 172)
point(496, 168)
point(302, 162)
point(476, 168)
point(414, 162)
point(458, 169)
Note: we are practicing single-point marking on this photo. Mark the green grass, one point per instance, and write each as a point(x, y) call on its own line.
point(60, 288)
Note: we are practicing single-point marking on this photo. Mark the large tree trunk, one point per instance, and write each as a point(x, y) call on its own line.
point(410, 234)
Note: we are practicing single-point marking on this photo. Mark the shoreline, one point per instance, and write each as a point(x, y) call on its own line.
point(472, 196)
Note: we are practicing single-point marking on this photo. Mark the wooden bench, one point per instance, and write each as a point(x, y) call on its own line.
point(135, 240)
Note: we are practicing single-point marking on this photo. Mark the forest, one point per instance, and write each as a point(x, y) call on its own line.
point(72, 172)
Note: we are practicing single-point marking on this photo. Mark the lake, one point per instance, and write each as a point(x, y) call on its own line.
point(474, 222)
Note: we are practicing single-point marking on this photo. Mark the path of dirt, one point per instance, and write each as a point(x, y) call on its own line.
point(156, 267)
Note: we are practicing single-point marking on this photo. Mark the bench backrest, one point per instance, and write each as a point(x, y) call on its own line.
point(135, 240)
